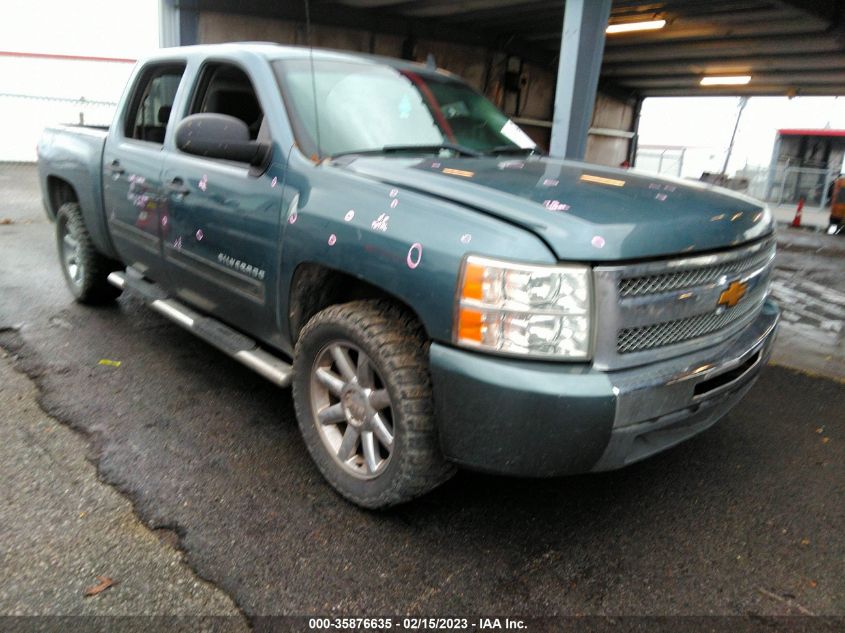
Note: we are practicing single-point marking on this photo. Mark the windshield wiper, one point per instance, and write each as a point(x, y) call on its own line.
point(513, 149)
point(424, 149)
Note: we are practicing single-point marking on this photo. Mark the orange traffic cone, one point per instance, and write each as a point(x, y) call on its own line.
point(796, 221)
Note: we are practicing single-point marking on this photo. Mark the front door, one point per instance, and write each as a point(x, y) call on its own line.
point(221, 246)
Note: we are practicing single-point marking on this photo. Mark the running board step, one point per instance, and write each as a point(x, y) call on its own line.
point(229, 341)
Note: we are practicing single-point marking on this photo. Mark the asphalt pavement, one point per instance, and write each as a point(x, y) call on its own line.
point(71, 543)
point(747, 518)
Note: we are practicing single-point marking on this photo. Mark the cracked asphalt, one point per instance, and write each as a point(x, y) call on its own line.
point(64, 531)
point(745, 519)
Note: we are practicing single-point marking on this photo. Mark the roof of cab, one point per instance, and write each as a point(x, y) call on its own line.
point(274, 52)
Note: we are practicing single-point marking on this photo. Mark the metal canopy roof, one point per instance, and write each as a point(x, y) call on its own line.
point(789, 47)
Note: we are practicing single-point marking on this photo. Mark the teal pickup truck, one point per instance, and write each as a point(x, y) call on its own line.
point(437, 292)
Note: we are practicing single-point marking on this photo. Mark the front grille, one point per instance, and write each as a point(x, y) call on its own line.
point(639, 339)
point(664, 282)
point(648, 311)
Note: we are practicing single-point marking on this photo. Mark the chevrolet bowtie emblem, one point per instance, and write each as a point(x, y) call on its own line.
point(733, 294)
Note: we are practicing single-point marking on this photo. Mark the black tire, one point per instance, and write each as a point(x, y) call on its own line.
point(85, 269)
point(396, 347)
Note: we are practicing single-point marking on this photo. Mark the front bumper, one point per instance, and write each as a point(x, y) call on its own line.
point(542, 419)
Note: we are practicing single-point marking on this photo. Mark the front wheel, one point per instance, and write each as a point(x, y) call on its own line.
point(364, 403)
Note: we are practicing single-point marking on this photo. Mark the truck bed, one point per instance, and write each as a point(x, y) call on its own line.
point(73, 154)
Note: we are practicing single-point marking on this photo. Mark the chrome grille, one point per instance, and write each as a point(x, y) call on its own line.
point(654, 310)
point(664, 282)
point(661, 334)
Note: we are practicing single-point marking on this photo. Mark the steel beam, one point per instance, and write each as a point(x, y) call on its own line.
point(581, 48)
point(686, 31)
point(786, 78)
point(168, 24)
point(747, 63)
point(724, 48)
point(751, 90)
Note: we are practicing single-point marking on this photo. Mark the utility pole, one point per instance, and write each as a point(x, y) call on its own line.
point(743, 101)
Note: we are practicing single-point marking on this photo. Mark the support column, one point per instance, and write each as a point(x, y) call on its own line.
point(581, 51)
point(168, 24)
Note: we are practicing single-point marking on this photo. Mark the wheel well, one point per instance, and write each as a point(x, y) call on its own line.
point(316, 287)
point(59, 191)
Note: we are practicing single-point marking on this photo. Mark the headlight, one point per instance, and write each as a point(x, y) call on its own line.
point(541, 311)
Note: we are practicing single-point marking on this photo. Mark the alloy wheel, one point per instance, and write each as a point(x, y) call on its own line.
point(352, 409)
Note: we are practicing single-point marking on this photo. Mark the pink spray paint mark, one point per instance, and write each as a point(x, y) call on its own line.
point(556, 205)
point(203, 183)
point(661, 196)
point(380, 223)
point(394, 193)
point(394, 203)
point(466, 238)
point(200, 235)
point(332, 239)
point(349, 215)
point(293, 217)
point(551, 182)
point(597, 241)
point(414, 255)
point(274, 182)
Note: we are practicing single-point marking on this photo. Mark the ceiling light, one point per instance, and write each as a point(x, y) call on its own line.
point(628, 27)
point(731, 80)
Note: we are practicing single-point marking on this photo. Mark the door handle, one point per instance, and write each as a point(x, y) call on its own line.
point(115, 168)
point(177, 187)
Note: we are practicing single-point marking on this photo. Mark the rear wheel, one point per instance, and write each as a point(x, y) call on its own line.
point(363, 401)
point(85, 269)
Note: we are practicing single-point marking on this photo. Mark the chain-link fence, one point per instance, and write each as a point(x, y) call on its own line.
point(24, 117)
point(788, 185)
point(668, 161)
point(783, 185)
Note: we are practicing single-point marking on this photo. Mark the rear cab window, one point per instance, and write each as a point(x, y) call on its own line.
point(152, 101)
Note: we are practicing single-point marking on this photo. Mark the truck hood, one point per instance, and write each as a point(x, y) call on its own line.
point(583, 212)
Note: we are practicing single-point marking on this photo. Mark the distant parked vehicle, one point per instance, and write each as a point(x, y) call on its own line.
point(438, 293)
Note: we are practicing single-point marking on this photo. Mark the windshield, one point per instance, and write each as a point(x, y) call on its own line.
point(366, 107)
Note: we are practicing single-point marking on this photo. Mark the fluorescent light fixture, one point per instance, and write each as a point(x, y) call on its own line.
point(628, 27)
point(729, 80)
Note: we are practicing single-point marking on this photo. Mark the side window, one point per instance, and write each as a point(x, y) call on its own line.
point(226, 89)
point(152, 102)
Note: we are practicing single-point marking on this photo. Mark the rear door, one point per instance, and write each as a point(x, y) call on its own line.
point(133, 197)
point(221, 249)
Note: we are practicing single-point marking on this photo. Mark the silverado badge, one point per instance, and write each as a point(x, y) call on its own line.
point(733, 294)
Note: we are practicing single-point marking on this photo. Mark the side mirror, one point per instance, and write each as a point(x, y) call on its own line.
point(221, 136)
